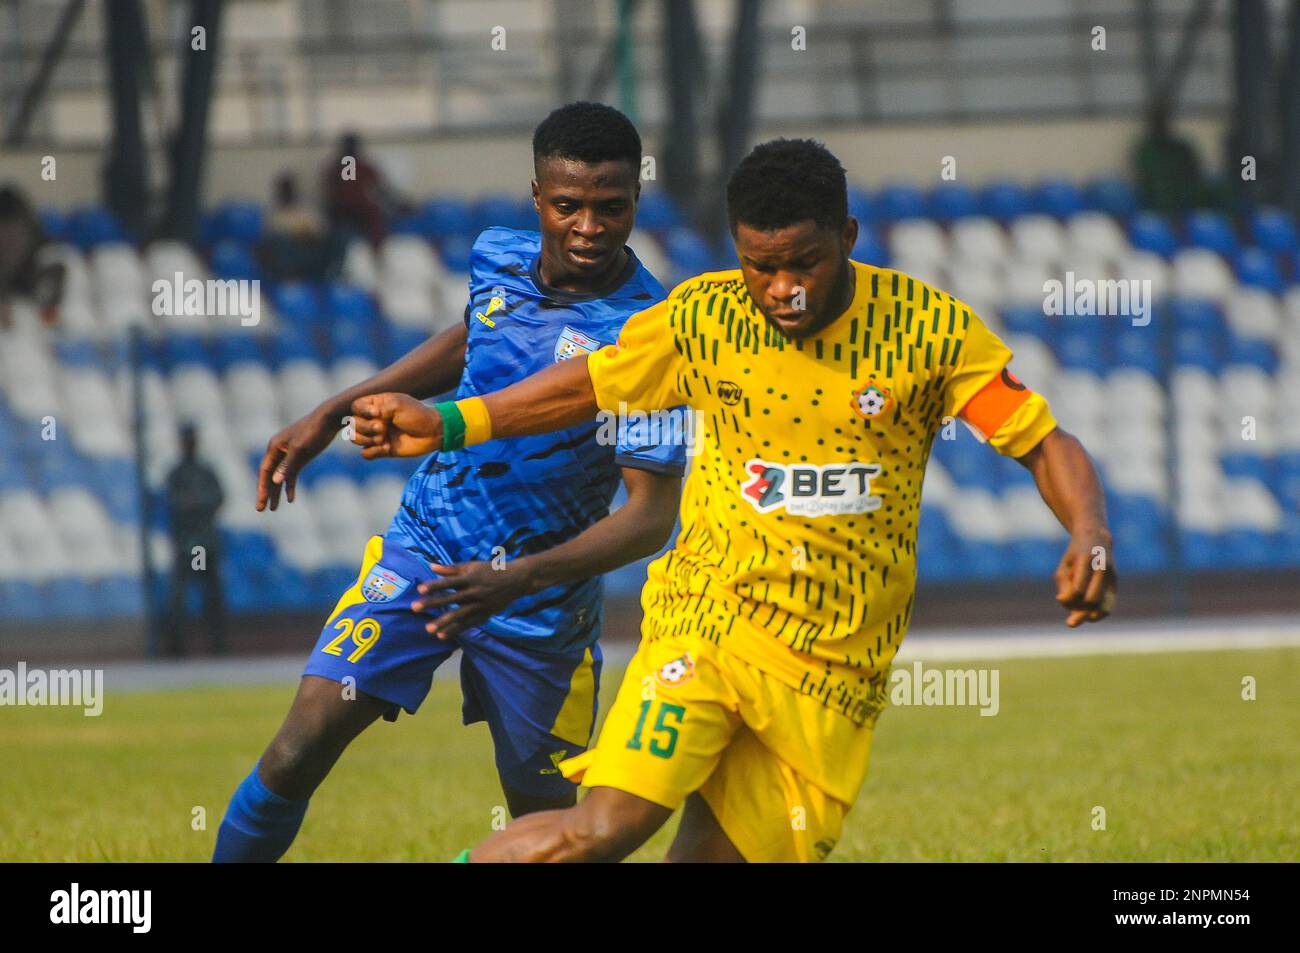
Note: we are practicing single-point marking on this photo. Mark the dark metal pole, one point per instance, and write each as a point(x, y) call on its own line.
point(126, 185)
point(736, 115)
point(681, 143)
point(49, 61)
point(1251, 97)
point(1289, 105)
point(199, 69)
point(138, 430)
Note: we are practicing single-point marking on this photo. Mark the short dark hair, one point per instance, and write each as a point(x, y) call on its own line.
point(786, 181)
point(587, 132)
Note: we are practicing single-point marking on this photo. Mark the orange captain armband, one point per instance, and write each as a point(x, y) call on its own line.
point(994, 403)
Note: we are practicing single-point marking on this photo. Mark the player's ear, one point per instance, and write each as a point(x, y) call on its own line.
point(850, 235)
point(537, 197)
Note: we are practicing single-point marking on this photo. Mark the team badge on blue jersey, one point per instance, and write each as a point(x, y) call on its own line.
point(383, 585)
point(572, 343)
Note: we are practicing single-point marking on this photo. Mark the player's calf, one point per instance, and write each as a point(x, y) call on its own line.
point(606, 826)
point(269, 805)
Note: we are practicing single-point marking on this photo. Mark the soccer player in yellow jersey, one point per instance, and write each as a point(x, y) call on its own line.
point(769, 629)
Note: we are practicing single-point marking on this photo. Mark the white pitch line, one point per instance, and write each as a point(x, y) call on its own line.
point(1048, 645)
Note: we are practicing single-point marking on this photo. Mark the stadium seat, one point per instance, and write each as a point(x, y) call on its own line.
point(1005, 201)
point(1112, 195)
point(1273, 230)
point(1151, 232)
point(1257, 268)
point(1038, 238)
point(1212, 230)
point(895, 202)
point(1059, 198)
point(952, 201)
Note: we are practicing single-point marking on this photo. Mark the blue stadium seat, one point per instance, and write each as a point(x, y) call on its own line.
point(1272, 229)
point(1258, 268)
point(1248, 549)
point(185, 348)
point(443, 217)
point(688, 252)
point(113, 481)
point(94, 225)
point(288, 344)
point(232, 259)
point(455, 251)
point(347, 301)
point(1148, 231)
point(53, 224)
point(1057, 197)
point(1005, 200)
point(1033, 558)
point(656, 211)
point(1112, 194)
point(1253, 351)
point(898, 201)
point(402, 340)
point(298, 304)
point(869, 248)
point(953, 200)
point(503, 210)
point(236, 346)
point(1198, 334)
point(1286, 477)
point(1202, 551)
point(238, 222)
point(1140, 528)
point(1212, 230)
point(78, 353)
point(860, 205)
point(120, 596)
point(1079, 343)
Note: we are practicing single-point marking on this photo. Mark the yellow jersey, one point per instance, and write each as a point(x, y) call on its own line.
point(797, 551)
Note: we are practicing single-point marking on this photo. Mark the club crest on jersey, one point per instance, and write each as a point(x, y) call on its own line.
point(872, 400)
point(807, 489)
point(572, 343)
point(383, 585)
point(681, 669)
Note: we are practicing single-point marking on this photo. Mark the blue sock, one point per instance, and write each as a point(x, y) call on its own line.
point(259, 825)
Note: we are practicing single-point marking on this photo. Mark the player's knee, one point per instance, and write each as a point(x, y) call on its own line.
point(291, 764)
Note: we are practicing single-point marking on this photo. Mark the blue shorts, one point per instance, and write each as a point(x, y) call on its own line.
point(540, 706)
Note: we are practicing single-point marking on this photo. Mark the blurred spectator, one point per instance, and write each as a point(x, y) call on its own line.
point(356, 196)
point(296, 245)
point(23, 272)
point(1167, 168)
point(193, 498)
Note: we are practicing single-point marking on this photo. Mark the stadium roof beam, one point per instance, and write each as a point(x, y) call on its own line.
point(35, 91)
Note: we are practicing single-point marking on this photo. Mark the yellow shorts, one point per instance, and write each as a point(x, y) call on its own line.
point(778, 769)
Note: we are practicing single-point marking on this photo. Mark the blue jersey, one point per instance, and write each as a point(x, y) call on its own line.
point(522, 495)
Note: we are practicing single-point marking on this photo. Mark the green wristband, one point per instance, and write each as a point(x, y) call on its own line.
point(453, 425)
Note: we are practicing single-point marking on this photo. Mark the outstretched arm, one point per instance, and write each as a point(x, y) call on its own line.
point(1068, 483)
point(394, 425)
point(480, 590)
point(432, 368)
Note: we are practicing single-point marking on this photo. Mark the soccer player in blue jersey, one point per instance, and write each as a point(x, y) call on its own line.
point(525, 522)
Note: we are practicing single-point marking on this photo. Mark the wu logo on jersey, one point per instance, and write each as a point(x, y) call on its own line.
point(811, 489)
point(383, 585)
point(572, 343)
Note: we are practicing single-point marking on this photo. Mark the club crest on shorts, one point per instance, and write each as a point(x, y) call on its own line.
point(572, 343)
point(383, 585)
point(671, 674)
point(871, 400)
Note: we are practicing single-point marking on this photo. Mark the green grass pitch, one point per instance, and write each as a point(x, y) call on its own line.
point(1185, 769)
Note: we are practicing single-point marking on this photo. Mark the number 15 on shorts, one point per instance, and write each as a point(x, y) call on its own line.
point(663, 736)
